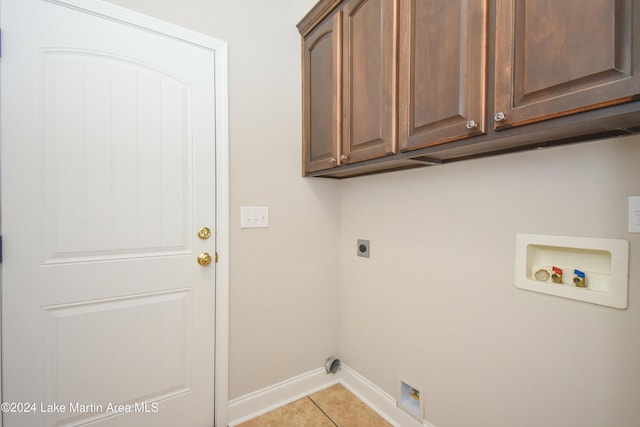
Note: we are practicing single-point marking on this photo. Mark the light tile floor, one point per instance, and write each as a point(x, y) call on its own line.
point(331, 407)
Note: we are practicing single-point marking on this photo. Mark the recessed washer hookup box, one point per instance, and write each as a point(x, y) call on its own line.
point(593, 270)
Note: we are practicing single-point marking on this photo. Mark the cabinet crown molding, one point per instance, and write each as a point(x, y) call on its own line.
point(315, 15)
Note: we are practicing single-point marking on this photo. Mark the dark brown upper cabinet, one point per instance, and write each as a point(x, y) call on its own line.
point(442, 75)
point(349, 83)
point(555, 58)
point(397, 84)
point(321, 92)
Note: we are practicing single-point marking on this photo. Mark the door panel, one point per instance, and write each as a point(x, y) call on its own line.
point(321, 91)
point(155, 327)
point(110, 196)
point(369, 79)
point(108, 171)
point(558, 58)
point(442, 73)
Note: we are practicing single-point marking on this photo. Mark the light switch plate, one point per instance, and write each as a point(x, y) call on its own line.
point(254, 217)
point(634, 214)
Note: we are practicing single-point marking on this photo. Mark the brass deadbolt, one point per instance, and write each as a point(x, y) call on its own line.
point(204, 233)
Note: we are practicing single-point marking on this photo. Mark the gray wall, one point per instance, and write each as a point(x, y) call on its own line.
point(436, 302)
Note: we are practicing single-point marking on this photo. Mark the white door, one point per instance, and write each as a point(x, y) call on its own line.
point(108, 173)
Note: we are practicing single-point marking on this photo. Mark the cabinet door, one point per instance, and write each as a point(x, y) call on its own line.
point(442, 71)
point(369, 77)
point(321, 94)
point(555, 58)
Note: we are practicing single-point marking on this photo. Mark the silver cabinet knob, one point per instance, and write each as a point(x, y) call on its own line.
point(344, 158)
point(471, 124)
point(333, 161)
point(499, 117)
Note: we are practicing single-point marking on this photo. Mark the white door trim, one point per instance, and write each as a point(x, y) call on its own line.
point(221, 407)
point(218, 48)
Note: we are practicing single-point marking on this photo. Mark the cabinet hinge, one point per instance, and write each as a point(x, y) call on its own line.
point(216, 257)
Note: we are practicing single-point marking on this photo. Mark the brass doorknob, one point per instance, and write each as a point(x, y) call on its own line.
point(204, 259)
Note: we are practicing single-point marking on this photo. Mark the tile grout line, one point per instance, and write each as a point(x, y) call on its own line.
point(322, 410)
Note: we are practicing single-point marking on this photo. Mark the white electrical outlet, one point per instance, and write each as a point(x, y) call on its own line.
point(254, 217)
point(634, 214)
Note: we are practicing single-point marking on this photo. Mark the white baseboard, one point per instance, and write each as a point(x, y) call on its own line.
point(269, 398)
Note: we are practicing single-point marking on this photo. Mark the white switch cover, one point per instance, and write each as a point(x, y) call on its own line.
point(634, 214)
point(254, 217)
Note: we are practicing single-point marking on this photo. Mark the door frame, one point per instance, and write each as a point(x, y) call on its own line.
point(219, 50)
